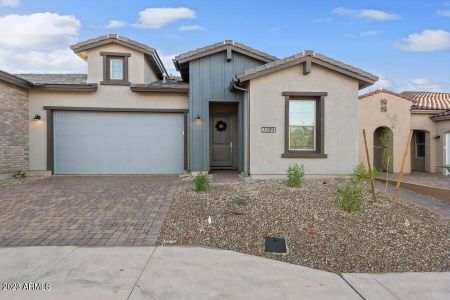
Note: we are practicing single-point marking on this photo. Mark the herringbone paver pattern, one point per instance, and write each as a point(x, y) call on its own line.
point(85, 210)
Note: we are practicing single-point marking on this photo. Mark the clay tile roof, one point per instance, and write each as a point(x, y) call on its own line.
point(428, 100)
point(378, 91)
point(445, 115)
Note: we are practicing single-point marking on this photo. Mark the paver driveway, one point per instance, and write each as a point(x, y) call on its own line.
point(85, 210)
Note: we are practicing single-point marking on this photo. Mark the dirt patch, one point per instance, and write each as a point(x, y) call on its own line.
point(4, 183)
point(378, 238)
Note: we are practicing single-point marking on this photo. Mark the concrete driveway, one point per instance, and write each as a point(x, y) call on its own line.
point(192, 273)
point(85, 210)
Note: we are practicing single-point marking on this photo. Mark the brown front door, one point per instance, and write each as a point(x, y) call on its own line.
point(221, 138)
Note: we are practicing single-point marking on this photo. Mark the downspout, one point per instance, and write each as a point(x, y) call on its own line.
point(235, 86)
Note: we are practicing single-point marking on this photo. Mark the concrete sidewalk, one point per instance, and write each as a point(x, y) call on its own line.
point(193, 273)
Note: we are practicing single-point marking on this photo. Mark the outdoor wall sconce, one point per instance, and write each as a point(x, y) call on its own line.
point(36, 117)
point(198, 118)
point(437, 137)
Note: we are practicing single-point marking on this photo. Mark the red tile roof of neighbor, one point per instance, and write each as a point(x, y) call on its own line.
point(421, 100)
point(428, 100)
point(378, 91)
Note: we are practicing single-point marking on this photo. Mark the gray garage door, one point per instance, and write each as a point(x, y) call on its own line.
point(118, 143)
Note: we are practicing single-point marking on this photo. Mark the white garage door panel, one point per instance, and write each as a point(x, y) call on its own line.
point(118, 143)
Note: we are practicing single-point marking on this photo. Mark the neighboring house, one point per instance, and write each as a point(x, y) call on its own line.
point(426, 113)
point(13, 124)
point(233, 108)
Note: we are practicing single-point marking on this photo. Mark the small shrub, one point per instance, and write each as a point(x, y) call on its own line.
point(201, 182)
point(241, 200)
point(360, 173)
point(295, 175)
point(350, 197)
point(19, 174)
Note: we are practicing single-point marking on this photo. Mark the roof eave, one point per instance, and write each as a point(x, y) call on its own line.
point(89, 87)
point(158, 89)
point(15, 80)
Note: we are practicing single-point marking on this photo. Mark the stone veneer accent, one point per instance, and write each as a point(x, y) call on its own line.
point(14, 146)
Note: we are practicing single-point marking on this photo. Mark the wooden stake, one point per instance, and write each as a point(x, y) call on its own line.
point(400, 176)
point(370, 168)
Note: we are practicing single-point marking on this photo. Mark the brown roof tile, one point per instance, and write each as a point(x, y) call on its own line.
point(378, 91)
point(428, 100)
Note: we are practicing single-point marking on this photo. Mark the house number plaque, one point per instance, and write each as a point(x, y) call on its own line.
point(268, 129)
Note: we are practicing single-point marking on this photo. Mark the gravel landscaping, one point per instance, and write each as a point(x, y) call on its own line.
point(14, 181)
point(378, 238)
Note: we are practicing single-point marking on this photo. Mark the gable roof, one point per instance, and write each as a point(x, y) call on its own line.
point(155, 60)
point(221, 46)
point(428, 100)
point(365, 78)
point(181, 61)
point(14, 79)
point(380, 91)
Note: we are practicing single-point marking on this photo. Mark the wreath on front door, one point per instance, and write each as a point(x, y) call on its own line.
point(221, 126)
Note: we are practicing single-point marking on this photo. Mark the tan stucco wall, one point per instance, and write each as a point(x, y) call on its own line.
point(138, 68)
point(442, 128)
point(370, 118)
point(422, 121)
point(267, 108)
point(106, 96)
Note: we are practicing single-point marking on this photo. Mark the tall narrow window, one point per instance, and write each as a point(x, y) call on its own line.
point(116, 68)
point(420, 144)
point(302, 125)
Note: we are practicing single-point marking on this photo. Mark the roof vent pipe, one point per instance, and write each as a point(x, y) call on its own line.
point(164, 78)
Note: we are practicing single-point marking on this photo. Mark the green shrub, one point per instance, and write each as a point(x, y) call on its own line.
point(241, 200)
point(19, 174)
point(350, 197)
point(360, 173)
point(295, 175)
point(201, 182)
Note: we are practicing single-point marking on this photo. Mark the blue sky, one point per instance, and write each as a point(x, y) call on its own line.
point(406, 43)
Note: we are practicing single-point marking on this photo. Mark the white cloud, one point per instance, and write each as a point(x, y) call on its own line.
point(382, 83)
point(344, 11)
point(38, 30)
point(56, 61)
point(443, 13)
point(427, 41)
point(369, 14)
point(9, 3)
point(116, 24)
point(190, 28)
point(155, 18)
point(377, 15)
point(423, 84)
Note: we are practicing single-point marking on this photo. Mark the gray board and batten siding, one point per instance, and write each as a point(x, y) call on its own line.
point(209, 81)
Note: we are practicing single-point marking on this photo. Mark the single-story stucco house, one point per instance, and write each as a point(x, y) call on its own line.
point(426, 113)
point(234, 107)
